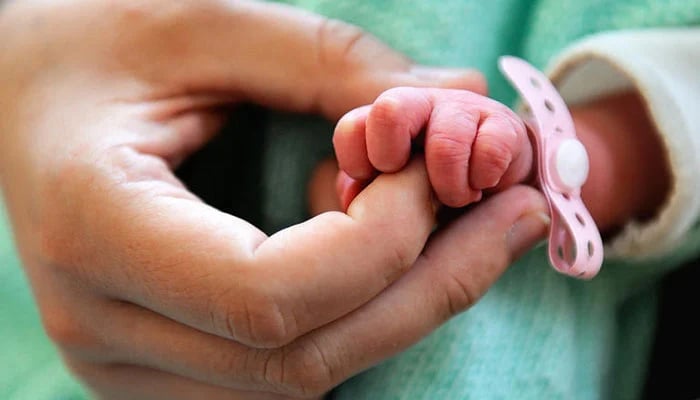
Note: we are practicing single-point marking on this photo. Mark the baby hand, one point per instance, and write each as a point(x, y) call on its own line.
point(472, 143)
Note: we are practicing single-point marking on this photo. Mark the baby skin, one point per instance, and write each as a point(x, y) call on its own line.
point(475, 145)
point(471, 143)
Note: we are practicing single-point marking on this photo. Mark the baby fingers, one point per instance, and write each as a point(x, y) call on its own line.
point(474, 143)
point(501, 154)
point(448, 146)
point(378, 137)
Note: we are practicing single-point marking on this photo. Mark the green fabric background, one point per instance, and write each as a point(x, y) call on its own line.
point(536, 334)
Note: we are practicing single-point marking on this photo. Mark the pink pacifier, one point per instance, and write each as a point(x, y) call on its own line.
point(575, 245)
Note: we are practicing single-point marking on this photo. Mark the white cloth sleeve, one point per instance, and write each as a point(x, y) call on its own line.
point(663, 65)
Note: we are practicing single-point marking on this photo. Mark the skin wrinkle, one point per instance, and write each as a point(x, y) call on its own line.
point(458, 144)
point(325, 50)
point(519, 132)
point(220, 302)
point(466, 191)
point(309, 369)
point(327, 375)
point(287, 332)
point(458, 305)
point(496, 152)
point(248, 318)
point(266, 370)
point(489, 117)
point(168, 107)
point(268, 326)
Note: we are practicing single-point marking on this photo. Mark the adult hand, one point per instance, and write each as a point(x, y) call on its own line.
point(148, 292)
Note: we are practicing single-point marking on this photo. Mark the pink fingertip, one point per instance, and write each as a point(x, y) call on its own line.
point(350, 144)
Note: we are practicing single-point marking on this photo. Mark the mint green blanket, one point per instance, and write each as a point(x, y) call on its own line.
point(536, 334)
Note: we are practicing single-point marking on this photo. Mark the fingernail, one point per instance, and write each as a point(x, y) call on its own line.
point(467, 79)
point(441, 74)
point(527, 232)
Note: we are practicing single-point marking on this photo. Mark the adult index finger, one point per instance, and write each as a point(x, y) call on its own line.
point(142, 238)
point(457, 267)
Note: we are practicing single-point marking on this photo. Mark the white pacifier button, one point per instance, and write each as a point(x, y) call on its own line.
point(571, 163)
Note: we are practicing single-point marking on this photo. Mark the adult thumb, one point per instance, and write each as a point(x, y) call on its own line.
point(477, 247)
point(283, 57)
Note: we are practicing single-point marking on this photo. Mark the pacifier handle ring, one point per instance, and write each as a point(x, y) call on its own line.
point(575, 244)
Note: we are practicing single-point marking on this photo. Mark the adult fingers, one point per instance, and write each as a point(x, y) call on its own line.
point(338, 263)
point(458, 266)
point(257, 51)
point(127, 334)
point(124, 381)
point(283, 57)
point(124, 334)
point(141, 238)
point(456, 269)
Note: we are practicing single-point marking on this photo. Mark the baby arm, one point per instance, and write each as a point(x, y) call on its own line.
point(472, 143)
point(629, 175)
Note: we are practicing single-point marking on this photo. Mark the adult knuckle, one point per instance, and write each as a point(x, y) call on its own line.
point(401, 257)
point(347, 54)
point(344, 45)
point(88, 372)
point(256, 318)
point(67, 331)
point(459, 295)
point(268, 325)
point(305, 371)
point(464, 289)
point(396, 256)
point(338, 41)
